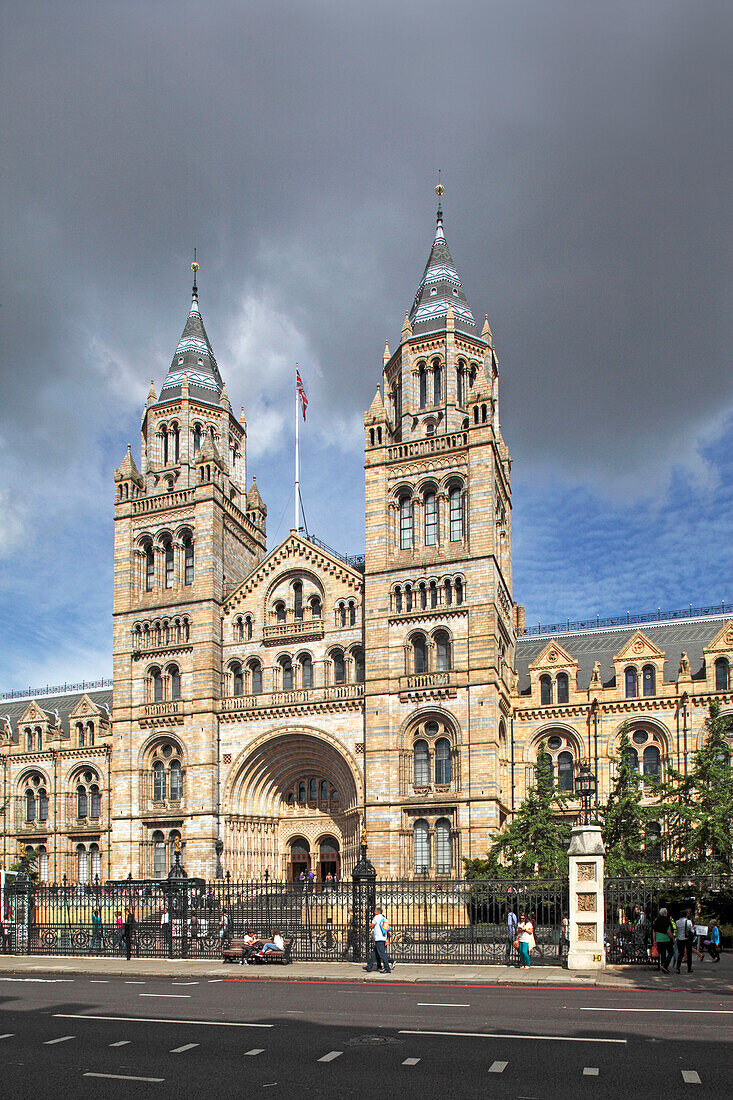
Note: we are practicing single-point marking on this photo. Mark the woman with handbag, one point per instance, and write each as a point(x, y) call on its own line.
point(525, 930)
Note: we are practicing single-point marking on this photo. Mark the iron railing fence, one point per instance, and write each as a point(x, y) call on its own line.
point(433, 920)
point(632, 905)
point(636, 618)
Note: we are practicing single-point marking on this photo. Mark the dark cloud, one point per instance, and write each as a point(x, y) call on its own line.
point(586, 152)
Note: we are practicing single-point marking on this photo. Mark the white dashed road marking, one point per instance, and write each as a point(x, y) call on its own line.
point(690, 1076)
point(590, 1071)
point(685, 1011)
point(410, 1061)
point(126, 1077)
point(8, 1035)
point(498, 1067)
point(155, 1020)
point(438, 1004)
point(61, 1039)
point(121, 1043)
point(503, 1035)
point(255, 1050)
point(331, 1055)
point(184, 1048)
point(179, 996)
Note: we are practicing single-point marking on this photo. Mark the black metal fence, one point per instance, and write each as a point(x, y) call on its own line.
point(435, 921)
point(633, 904)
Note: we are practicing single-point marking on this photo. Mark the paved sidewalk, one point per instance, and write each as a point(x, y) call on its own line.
point(708, 977)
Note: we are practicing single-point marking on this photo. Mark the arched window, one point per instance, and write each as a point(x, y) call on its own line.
point(459, 590)
point(632, 687)
point(286, 673)
point(306, 671)
point(95, 802)
point(459, 382)
point(248, 628)
point(339, 667)
point(174, 674)
point(423, 384)
point(82, 863)
point(341, 614)
point(312, 790)
point(562, 687)
point(149, 566)
point(156, 681)
point(42, 863)
point(456, 514)
point(433, 594)
point(169, 562)
point(431, 517)
point(30, 805)
point(421, 763)
point(442, 651)
point(422, 589)
point(301, 792)
point(652, 762)
point(443, 852)
point(722, 674)
point(196, 443)
point(298, 599)
point(237, 679)
point(81, 801)
point(565, 772)
point(437, 382)
point(419, 654)
point(421, 834)
point(255, 672)
point(80, 734)
point(631, 757)
point(280, 611)
point(545, 690)
point(352, 613)
point(164, 433)
point(90, 733)
point(398, 600)
point(159, 784)
point(316, 609)
point(408, 598)
point(358, 658)
point(176, 781)
point(42, 804)
point(158, 854)
point(188, 558)
point(405, 523)
point(443, 764)
point(653, 842)
point(549, 763)
point(648, 680)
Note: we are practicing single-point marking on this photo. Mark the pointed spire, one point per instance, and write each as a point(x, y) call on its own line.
point(486, 331)
point(224, 399)
point(387, 353)
point(407, 327)
point(127, 470)
point(194, 358)
point(151, 393)
point(377, 410)
point(440, 287)
point(255, 502)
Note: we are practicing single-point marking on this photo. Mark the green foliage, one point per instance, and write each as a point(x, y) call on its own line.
point(536, 840)
point(26, 863)
point(698, 807)
point(624, 820)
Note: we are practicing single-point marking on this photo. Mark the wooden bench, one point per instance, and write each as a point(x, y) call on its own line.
point(274, 956)
point(235, 951)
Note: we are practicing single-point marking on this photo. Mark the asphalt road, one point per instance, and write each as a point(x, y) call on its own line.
point(79, 1037)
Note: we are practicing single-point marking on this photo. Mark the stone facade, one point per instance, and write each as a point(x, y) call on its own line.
point(268, 704)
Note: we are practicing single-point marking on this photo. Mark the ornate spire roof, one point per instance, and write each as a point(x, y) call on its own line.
point(440, 286)
point(193, 359)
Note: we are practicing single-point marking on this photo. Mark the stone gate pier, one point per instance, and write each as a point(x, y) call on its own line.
point(586, 858)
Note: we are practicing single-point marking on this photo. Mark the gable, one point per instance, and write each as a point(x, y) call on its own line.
point(638, 648)
point(85, 708)
point(33, 713)
point(723, 640)
point(553, 656)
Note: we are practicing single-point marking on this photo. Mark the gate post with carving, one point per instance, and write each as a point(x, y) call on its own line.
point(586, 859)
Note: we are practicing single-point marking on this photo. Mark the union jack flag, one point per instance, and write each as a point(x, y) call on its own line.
point(301, 392)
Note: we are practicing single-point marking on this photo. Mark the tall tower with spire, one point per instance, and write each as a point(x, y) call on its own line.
point(187, 532)
point(438, 585)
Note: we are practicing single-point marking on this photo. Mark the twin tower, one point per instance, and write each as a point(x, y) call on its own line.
point(267, 705)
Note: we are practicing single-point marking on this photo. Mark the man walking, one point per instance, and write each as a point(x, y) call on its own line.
point(511, 934)
point(685, 936)
point(128, 929)
point(380, 936)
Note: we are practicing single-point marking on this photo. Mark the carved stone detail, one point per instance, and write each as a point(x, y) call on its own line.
point(586, 872)
point(586, 903)
point(587, 933)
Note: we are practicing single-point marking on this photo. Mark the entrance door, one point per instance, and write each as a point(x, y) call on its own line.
point(300, 858)
point(330, 858)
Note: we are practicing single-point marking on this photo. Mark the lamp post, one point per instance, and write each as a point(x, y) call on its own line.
point(586, 786)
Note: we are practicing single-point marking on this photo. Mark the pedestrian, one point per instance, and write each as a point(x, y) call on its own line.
point(350, 934)
point(525, 930)
point(511, 934)
point(714, 938)
point(685, 936)
point(128, 929)
point(224, 935)
point(664, 934)
point(5, 931)
point(275, 943)
point(380, 936)
point(96, 931)
point(564, 935)
point(166, 927)
point(311, 880)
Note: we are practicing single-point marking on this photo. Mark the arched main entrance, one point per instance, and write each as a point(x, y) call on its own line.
point(293, 808)
point(300, 858)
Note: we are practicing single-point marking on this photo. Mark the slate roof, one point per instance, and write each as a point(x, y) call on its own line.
point(64, 704)
point(439, 286)
point(602, 645)
point(193, 359)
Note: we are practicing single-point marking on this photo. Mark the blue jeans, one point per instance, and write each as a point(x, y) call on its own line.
point(380, 949)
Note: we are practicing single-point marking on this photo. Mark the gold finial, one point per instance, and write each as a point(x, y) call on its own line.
point(177, 844)
point(194, 268)
point(363, 835)
point(439, 190)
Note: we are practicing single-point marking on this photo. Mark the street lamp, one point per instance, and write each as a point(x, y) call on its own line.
point(586, 786)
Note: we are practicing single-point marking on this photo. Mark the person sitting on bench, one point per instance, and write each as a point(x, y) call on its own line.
point(276, 944)
point(250, 945)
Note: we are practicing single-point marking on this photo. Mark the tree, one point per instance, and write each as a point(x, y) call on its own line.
point(699, 805)
point(625, 820)
point(536, 840)
point(26, 864)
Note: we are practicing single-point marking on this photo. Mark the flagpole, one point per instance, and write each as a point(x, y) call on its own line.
point(297, 452)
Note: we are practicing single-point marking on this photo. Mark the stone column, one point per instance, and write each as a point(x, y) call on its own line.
point(586, 914)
